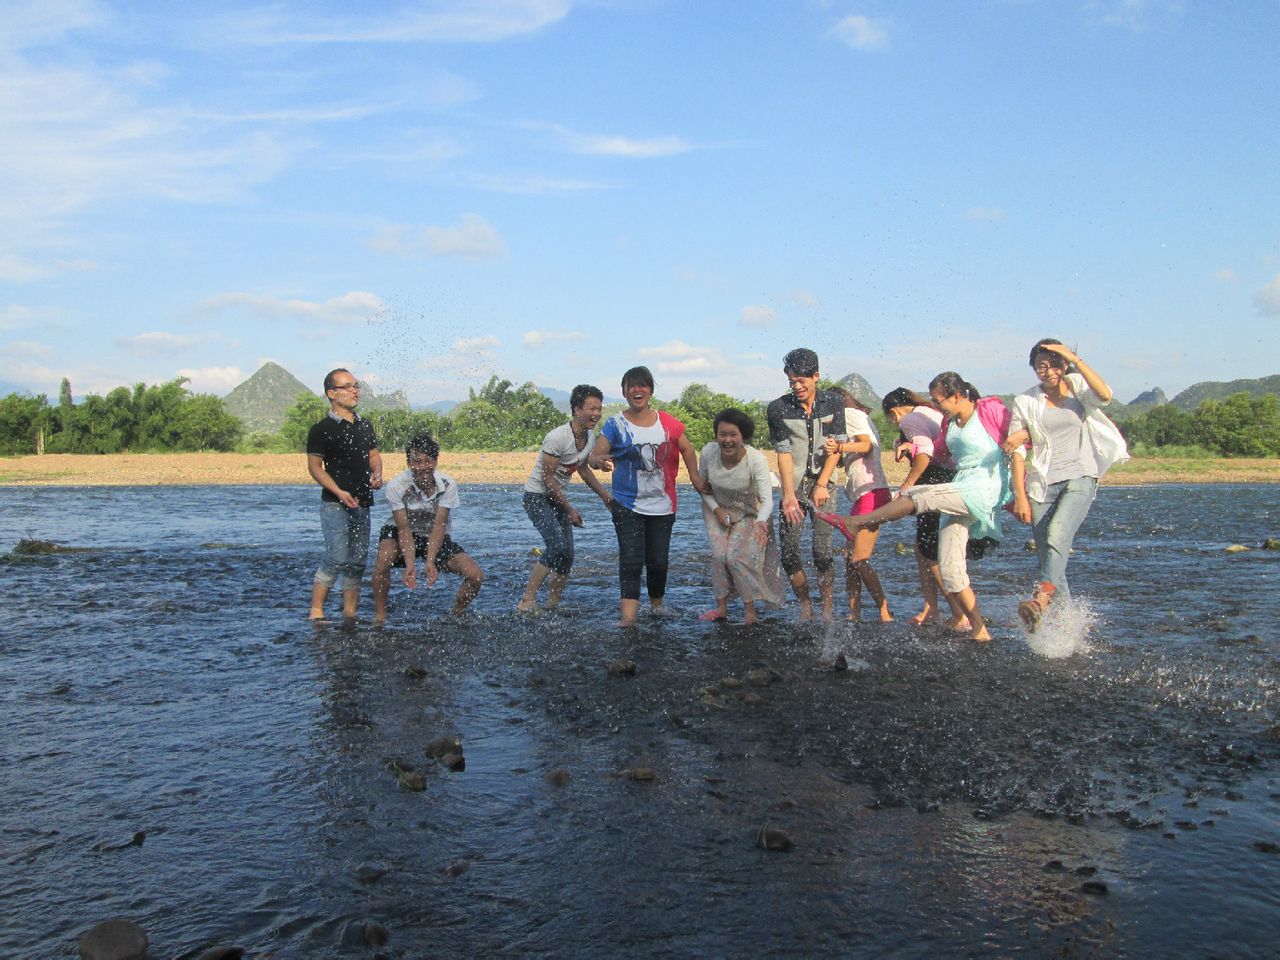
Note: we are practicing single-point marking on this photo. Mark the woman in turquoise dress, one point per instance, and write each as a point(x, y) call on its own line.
point(971, 503)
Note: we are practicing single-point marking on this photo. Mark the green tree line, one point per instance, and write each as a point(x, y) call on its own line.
point(502, 416)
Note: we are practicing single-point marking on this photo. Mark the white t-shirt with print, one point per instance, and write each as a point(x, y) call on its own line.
point(559, 443)
point(403, 494)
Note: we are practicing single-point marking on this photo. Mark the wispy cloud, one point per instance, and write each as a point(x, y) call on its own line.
point(1267, 300)
point(472, 237)
point(534, 339)
point(757, 317)
point(357, 306)
point(615, 145)
point(438, 21)
point(533, 185)
point(159, 342)
point(15, 315)
point(16, 269)
point(678, 357)
point(984, 213)
point(862, 33)
point(1135, 15)
point(29, 349)
point(212, 379)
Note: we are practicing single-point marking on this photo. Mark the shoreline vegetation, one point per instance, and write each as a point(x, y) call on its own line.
point(469, 466)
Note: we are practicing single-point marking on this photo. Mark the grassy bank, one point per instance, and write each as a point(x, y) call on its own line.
point(149, 469)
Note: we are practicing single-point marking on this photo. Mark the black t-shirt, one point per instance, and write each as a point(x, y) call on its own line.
point(344, 446)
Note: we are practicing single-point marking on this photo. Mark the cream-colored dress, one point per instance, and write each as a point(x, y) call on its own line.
point(739, 565)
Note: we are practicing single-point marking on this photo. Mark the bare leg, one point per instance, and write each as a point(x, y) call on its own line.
point(629, 610)
point(319, 594)
point(719, 612)
point(893, 510)
point(827, 590)
point(800, 587)
point(555, 589)
point(749, 612)
point(472, 578)
point(967, 600)
point(388, 554)
point(928, 588)
point(350, 600)
point(529, 602)
point(859, 563)
point(853, 586)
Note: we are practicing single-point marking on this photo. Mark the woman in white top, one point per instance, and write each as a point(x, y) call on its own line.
point(867, 489)
point(744, 552)
point(564, 452)
point(1072, 445)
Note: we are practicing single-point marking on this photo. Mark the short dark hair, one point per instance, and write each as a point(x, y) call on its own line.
point(638, 376)
point(423, 443)
point(801, 362)
point(951, 384)
point(735, 417)
point(328, 377)
point(1055, 359)
point(578, 396)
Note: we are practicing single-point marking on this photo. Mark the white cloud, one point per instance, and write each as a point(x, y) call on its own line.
point(804, 299)
point(15, 315)
point(678, 357)
point(158, 342)
point(212, 379)
point(615, 145)
point(1225, 275)
point(1135, 15)
point(27, 24)
point(984, 213)
point(861, 33)
point(472, 238)
point(757, 317)
point(356, 307)
point(533, 339)
point(1267, 300)
point(470, 344)
point(534, 185)
point(15, 269)
point(27, 348)
point(440, 21)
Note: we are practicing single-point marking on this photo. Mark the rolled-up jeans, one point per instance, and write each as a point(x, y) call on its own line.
point(346, 544)
point(1055, 522)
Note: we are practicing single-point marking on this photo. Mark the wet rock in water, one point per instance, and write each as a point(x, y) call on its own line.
point(621, 668)
point(901, 549)
point(731, 683)
point(457, 868)
point(35, 548)
point(762, 678)
point(773, 838)
point(413, 780)
point(840, 664)
point(751, 698)
point(60, 689)
point(114, 940)
point(225, 952)
point(559, 777)
point(1086, 871)
point(1237, 548)
point(135, 841)
point(1055, 866)
point(454, 761)
point(1271, 543)
point(1094, 887)
point(371, 872)
point(438, 747)
point(640, 774)
point(415, 672)
point(375, 934)
point(1266, 846)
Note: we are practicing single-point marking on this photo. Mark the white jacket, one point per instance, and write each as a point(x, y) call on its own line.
point(1103, 439)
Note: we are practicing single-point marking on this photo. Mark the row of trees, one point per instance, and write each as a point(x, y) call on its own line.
point(500, 416)
point(139, 419)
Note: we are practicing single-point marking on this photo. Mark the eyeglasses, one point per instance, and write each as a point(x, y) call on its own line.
point(345, 386)
point(1044, 365)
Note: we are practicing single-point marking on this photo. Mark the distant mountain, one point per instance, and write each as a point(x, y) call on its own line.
point(261, 402)
point(1197, 393)
point(1149, 398)
point(443, 407)
point(396, 400)
point(856, 384)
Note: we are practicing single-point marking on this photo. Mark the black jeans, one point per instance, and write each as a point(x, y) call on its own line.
point(643, 543)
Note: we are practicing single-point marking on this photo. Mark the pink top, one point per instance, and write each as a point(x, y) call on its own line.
point(921, 427)
point(995, 418)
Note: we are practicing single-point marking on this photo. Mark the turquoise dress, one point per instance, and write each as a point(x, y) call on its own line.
point(982, 477)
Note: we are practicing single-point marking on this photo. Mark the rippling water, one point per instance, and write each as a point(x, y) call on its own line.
point(1116, 797)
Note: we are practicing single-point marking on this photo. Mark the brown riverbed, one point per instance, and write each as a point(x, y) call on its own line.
point(134, 469)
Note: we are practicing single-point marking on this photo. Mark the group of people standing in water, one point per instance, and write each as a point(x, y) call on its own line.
point(969, 458)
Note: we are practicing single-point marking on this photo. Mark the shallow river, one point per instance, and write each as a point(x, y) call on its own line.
point(941, 797)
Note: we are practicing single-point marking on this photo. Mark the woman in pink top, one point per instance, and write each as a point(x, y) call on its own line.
point(867, 489)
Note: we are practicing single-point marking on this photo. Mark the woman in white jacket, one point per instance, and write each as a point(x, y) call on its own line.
point(1072, 444)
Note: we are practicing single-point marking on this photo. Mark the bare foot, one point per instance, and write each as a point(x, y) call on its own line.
point(316, 614)
point(924, 616)
point(885, 615)
point(982, 635)
point(959, 624)
point(806, 613)
point(527, 606)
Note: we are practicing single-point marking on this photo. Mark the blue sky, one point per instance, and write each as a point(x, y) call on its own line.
point(554, 190)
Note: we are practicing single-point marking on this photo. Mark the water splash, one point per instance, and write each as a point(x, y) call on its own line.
point(1064, 630)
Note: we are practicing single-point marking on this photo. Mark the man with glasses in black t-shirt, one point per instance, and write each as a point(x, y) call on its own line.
point(342, 456)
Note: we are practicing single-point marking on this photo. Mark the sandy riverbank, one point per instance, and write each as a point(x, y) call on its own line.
point(146, 469)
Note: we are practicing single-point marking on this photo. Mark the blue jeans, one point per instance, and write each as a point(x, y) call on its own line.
point(346, 544)
point(557, 532)
point(1055, 523)
point(644, 542)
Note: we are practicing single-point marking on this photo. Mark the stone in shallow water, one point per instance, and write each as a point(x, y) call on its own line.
point(454, 761)
point(1095, 887)
point(640, 774)
point(559, 777)
point(1237, 548)
point(438, 747)
point(621, 668)
point(221, 953)
point(375, 934)
point(773, 838)
point(114, 940)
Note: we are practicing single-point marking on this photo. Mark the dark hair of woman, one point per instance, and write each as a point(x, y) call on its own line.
point(637, 377)
point(735, 417)
point(578, 396)
point(902, 397)
point(951, 384)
